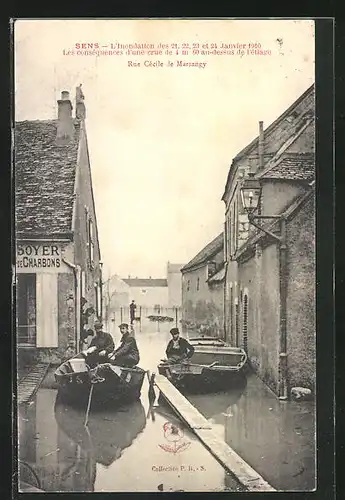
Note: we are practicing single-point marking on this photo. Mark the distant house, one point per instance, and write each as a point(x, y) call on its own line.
point(203, 289)
point(58, 269)
point(270, 302)
point(174, 278)
point(149, 292)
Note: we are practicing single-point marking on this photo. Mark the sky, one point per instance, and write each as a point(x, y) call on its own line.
point(161, 138)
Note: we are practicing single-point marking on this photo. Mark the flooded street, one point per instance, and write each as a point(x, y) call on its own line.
point(133, 448)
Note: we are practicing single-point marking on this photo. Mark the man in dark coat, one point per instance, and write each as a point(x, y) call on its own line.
point(127, 354)
point(100, 346)
point(132, 308)
point(178, 348)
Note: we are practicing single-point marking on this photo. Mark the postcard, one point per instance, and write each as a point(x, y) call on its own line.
point(164, 190)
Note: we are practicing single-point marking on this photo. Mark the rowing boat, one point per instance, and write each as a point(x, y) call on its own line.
point(214, 365)
point(112, 384)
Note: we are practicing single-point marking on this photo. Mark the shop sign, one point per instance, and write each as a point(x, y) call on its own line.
point(38, 257)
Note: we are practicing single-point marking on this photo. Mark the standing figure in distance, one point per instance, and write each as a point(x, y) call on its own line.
point(132, 308)
point(178, 348)
point(127, 354)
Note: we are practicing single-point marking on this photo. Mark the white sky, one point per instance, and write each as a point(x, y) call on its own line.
point(161, 140)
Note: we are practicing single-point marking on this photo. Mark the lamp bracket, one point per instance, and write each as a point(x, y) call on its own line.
point(252, 219)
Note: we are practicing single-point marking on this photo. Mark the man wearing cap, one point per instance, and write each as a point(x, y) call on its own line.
point(127, 354)
point(100, 346)
point(178, 348)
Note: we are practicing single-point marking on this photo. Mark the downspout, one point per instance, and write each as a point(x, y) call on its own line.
point(283, 389)
point(226, 336)
point(261, 145)
point(77, 291)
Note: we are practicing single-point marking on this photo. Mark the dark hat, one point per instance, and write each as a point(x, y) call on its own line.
point(175, 331)
point(125, 325)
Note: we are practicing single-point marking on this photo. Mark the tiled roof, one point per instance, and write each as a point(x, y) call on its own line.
point(253, 146)
point(296, 166)
point(206, 253)
point(146, 282)
point(44, 179)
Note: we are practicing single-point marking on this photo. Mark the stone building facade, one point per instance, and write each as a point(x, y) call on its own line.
point(282, 159)
point(174, 279)
point(58, 268)
point(203, 290)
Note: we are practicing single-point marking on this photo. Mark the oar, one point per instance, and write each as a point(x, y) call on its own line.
point(88, 406)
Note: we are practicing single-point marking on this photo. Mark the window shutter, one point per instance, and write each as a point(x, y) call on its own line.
point(47, 310)
point(83, 284)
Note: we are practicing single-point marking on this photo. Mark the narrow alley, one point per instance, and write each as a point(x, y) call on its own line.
point(57, 453)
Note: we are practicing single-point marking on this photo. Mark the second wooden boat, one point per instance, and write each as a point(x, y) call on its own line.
point(214, 365)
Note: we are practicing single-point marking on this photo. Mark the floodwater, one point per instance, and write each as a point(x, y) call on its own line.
point(133, 449)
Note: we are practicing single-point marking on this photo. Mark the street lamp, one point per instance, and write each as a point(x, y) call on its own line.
point(251, 195)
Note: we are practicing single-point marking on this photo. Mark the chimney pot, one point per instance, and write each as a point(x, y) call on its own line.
point(80, 111)
point(65, 127)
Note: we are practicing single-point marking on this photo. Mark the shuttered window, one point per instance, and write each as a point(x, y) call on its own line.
point(47, 310)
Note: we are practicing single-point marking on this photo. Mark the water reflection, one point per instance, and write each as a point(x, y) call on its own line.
point(219, 403)
point(64, 457)
point(276, 438)
point(108, 432)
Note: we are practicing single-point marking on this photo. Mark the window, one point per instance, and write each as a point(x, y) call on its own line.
point(198, 283)
point(235, 224)
point(231, 315)
point(245, 322)
point(91, 243)
point(188, 285)
point(225, 241)
point(228, 222)
point(237, 322)
point(26, 309)
point(98, 297)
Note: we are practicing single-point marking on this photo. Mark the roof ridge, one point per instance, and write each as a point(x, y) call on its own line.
point(273, 162)
point(200, 257)
point(276, 121)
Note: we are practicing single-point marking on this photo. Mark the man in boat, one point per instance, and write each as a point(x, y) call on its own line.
point(100, 346)
point(178, 348)
point(127, 354)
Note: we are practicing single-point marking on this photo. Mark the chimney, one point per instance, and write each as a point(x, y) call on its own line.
point(261, 145)
point(80, 111)
point(65, 127)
